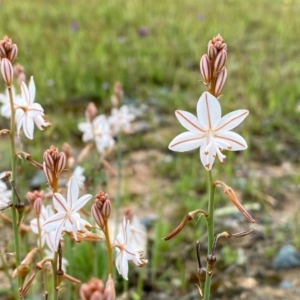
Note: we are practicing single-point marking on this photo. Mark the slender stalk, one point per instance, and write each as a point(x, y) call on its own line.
point(109, 249)
point(54, 270)
point(210, 230)
point(13, 181)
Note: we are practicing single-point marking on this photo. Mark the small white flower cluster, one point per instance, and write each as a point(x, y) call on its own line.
point(102, 129)
point(27, 113)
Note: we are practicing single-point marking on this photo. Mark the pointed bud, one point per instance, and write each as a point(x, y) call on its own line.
point(91, 111)
point(35, 198)
point(205, 68)
point(220, 60)
point(48, 160)
point(12, 54)
point(97, 215)
point(7, 71)
point(61, 163)
point(221, 79)
point(212, 52)
point(49, 174)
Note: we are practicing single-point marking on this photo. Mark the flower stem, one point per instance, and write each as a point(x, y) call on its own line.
point(13, 180)
point(109, 249)
point(210, 229)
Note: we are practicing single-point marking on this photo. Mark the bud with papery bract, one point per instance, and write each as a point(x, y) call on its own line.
point(35, 199)
point(93, 290)
point(8, 49)
point(221, 79)
point(7, 71)
point(205, 68)
point(101, 209)
point(220, 60)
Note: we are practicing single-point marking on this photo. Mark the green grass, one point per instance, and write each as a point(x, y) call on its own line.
point(77, 50)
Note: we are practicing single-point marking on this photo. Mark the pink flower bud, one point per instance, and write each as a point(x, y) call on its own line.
point(220, 60)
point(12, 54)
point(205, 68)
point(110, 293)
point(97, 215)
point(49, 174)
point(211, 51)
point(7, 71)
point(91, 111)
point(220, 82)
point(61, 163)
point(106, 209)
point(48, 160)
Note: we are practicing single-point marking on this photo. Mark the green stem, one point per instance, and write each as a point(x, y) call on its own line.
point(109, 249)
point(210, 229)
point(13, 180)
point(54, 271)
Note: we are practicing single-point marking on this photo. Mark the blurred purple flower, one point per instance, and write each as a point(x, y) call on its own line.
point(74, 26)
point(143, 31)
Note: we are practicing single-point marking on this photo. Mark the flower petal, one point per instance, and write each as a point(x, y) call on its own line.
point(231, 120)
point(28, 126)
point(234, 140)
point(25, 93)
point(186, 141)
point(81, 202)
point(53, 222)
point(207, 158)
point(208, 110)
point(189, 121)
point(31, 87)
point(122, 265)
point(73, 192)
point(60, 203)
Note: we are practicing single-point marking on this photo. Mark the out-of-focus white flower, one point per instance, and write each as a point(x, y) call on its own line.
point(67, 217)
point(5, 196)
point(125, 251)
point(48, 237)
point(4, 99)
point(78, 176)
point(120, 119)
point(98, 131)
point(209, 131)
point(28, 112)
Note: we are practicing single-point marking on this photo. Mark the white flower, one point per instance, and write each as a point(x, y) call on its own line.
point(67, 217)
point(120, 119)
point(78, 176)
point(4, 98)
point(5, 196)
point(98, 131)
point(47, 237)
point(28, 112)
point(125, 251)
point(209, 131)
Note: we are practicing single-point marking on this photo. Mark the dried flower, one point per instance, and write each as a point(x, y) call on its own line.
point(209, 131)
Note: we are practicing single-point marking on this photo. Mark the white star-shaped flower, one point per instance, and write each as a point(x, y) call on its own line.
point(67, 217)
point(48, 237)
point(125, 251)
point(28, 112)
point(120, 119)
point(209, 131)
point(98, 131)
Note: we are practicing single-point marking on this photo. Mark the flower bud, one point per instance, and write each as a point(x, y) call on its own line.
point(12, 54)
point(36, 200)
point(7, 71)
point(220, 60)
point(110, 293)
point(96, 213)
point(221, 78)
point(205, 68)
point(91, 111)
point(61, 163)
point(211, 51)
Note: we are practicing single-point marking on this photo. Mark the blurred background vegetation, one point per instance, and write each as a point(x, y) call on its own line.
point(76, 50)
